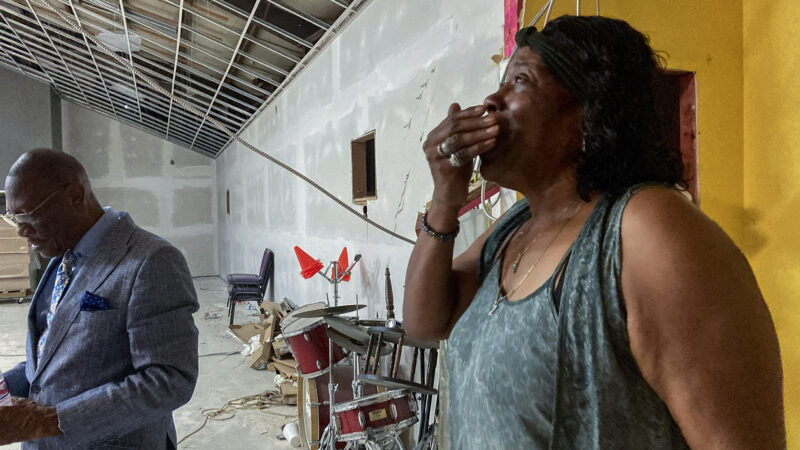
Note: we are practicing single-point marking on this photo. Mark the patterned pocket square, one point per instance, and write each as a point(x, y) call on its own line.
point(91, 302)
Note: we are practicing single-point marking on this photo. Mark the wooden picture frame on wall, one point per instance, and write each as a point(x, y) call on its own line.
point(362, 156)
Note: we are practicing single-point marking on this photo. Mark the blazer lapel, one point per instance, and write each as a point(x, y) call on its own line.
point(33, 332)
point(94, 271)
point(51, 266)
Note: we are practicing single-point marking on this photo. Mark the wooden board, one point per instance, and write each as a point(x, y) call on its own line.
point(13, 245)
point(15, 274)
point(14, 265)
point(14, 284)
point(15, 294)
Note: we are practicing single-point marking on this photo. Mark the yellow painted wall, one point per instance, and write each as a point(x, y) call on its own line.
point(747, 64)
point(705, 37)
point(772, 175)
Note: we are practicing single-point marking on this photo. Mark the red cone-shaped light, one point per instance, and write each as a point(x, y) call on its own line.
point(308, 265)
point(343, 263)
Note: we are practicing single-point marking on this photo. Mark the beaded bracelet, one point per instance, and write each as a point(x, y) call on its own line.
point(444, 237)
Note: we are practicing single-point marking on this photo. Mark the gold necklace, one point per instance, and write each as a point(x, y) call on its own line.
point(500, 297)
point(515, 264)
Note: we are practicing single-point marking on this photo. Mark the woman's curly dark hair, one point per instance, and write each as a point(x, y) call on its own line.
point(620, 125)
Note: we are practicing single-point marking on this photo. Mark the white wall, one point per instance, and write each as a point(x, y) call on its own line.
point(395, 68)
point(25, 116)
point(167, 189)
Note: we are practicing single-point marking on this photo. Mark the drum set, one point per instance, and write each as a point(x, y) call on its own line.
point(351, 392)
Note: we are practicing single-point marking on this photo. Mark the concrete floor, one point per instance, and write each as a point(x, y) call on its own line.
point(223, 376)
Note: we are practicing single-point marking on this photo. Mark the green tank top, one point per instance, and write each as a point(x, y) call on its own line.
point(533, 377)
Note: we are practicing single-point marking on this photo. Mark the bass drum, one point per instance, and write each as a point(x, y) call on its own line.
point(312, 410)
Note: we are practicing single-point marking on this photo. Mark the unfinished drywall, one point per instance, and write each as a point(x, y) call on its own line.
point(167, 189)
point(25, 116)
point(395, 69)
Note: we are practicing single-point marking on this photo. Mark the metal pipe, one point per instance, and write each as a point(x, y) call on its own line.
point(175, 65)
point(269, 26)
point(21, 42)
point(130, 59)
point(307, 17)
point(228, 69)
point(318, 46)
point(38, 21)
point(91, 54)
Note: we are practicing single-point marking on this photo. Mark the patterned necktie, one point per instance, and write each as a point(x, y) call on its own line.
point(63, 277)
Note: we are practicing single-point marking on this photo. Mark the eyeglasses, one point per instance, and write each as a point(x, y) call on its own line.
point(15, 220)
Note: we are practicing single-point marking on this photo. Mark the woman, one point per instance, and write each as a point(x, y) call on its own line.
point(604, 310)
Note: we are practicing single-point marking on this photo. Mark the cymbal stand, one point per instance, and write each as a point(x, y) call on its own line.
point(333, 432)
point(328, 441)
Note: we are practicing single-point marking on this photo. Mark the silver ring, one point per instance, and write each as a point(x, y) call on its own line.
point(457, 159)
point(445, 148)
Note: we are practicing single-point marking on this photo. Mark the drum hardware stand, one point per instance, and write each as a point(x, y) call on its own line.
point(371, 443)
point(337, 277)
point(357, 384)
point(329, 436)
point(331, 430)
point(426, 400)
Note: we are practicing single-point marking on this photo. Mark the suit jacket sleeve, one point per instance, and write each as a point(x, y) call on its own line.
point(17, 381)
point(163, 344)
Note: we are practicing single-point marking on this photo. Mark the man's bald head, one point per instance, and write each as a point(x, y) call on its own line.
point(51, 191)
point(49, 166)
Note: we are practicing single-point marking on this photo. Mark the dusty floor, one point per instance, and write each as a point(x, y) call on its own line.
point(224, 375)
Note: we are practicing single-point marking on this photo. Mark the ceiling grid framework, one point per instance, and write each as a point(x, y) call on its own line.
point(227, 59)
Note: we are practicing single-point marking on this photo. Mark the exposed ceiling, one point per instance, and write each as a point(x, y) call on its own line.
point(226, 58)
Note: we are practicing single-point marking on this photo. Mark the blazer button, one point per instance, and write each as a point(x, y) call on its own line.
point(35, 389)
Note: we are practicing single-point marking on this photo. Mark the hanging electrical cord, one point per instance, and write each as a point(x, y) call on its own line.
point(218, 124)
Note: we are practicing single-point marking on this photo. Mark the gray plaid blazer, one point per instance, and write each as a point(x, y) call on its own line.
point(116, 375)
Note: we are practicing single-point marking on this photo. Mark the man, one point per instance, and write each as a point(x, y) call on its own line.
point(112, 346)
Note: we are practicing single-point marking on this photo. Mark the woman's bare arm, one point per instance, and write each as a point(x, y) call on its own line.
point(438, 289)
point(699, 328)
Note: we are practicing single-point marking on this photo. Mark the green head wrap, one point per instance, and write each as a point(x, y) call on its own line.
point(561, 65)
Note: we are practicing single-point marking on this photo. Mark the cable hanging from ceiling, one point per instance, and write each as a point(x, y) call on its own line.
point(205, 116)
point(545, 10)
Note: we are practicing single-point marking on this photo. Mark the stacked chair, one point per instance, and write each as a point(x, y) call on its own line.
point(250, 287)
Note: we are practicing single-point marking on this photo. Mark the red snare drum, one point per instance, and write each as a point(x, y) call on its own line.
point(309, 344)
point(312, 403)
point(375, 416)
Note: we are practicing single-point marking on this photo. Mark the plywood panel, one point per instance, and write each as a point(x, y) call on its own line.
point(14, 284)
point(14, 264)
point(13, 245)
point(7, 231)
